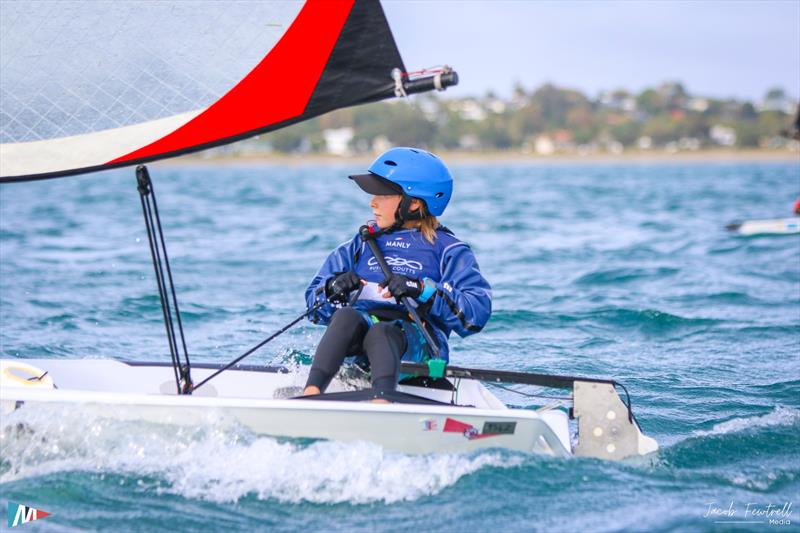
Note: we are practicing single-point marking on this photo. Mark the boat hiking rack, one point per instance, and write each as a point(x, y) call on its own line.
point(607, 428)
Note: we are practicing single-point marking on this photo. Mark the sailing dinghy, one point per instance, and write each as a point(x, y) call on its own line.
point(105, 85)
point(774, 226)
point(452, 414)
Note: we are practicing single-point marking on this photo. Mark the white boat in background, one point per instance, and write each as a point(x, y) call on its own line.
point(775, 226)
point(456, 414)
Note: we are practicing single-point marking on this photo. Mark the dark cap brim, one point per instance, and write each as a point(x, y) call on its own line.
point(374, 184)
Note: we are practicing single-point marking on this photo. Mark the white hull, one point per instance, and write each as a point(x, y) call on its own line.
point(120, 391)
point(778, 226)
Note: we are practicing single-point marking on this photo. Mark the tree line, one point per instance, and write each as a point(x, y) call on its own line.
point(548, 117)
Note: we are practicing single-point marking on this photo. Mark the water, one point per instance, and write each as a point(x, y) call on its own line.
point(620, 271)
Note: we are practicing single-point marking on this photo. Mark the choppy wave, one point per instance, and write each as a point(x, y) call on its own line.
point(625, 275)
point(222, 463)
point(720, 298)
point(780, 416)
point(649, 321)
point(755, 452)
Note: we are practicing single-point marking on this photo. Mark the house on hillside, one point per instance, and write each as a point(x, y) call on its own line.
point(722, 135)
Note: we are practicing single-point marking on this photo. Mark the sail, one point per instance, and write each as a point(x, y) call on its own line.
point(93, 85)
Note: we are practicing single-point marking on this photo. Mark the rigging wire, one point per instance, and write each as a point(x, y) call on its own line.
point(528, 395)
point(169, 299)
point(262, 343)
point(167, 295)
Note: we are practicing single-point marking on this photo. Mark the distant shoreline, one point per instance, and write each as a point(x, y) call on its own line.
point(457, 157)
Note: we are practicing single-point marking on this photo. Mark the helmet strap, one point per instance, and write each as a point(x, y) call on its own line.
point(404, 212)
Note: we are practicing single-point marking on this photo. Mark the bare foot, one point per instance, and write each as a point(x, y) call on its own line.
point(379, 400)
point(311, 390)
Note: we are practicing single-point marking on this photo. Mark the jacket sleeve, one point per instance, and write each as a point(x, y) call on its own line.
point(463, 300)
point(340, 260)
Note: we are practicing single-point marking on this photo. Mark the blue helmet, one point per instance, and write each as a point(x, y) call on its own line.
point(412, 172)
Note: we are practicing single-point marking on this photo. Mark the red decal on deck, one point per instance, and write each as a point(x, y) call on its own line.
point(469, 431)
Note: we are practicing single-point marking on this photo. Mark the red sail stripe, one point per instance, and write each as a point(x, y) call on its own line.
point(277, 89)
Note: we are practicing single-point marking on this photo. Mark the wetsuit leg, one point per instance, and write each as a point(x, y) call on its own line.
point(384, 345)
point(343, 337)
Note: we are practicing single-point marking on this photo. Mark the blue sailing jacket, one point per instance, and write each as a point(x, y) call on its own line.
point(463, 299)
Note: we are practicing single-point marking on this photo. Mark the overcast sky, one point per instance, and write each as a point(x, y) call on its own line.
point(716, 48)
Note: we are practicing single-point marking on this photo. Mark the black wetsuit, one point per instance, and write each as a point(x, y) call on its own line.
point(349, 334)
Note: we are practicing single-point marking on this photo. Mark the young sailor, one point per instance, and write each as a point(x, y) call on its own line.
point(435, 271)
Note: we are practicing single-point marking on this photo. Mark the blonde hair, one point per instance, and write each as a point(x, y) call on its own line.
point(427, 224)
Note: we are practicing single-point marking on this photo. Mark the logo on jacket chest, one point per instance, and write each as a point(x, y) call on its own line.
point(399, 265)
point(398, 244)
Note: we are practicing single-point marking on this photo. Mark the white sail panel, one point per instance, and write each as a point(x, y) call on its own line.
point(73, 67)
point(85, 150)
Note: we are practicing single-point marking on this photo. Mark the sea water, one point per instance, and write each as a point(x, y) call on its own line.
point(612, 270)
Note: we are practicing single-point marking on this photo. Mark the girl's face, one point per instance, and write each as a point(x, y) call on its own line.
point(384, 206)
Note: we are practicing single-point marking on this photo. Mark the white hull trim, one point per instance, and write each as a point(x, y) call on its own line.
point(408, 428)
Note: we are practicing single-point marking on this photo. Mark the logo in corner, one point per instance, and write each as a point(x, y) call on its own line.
point(22, 514)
